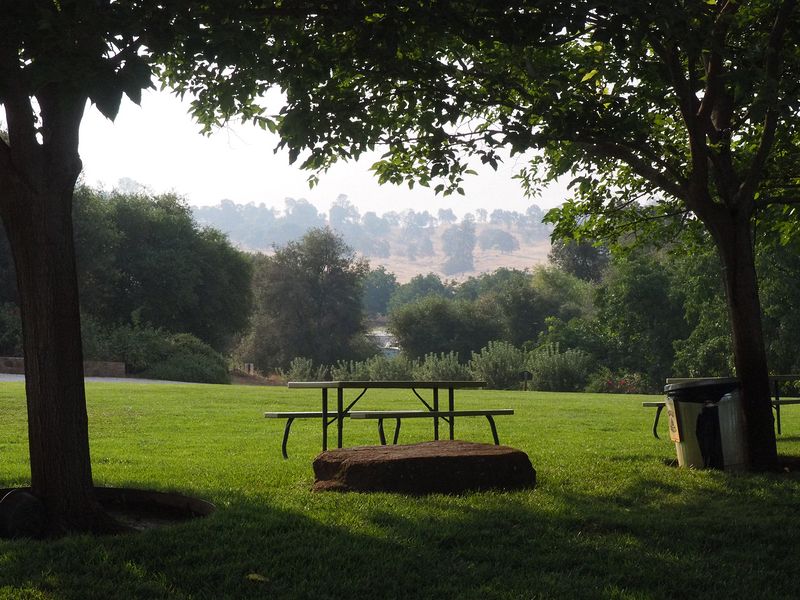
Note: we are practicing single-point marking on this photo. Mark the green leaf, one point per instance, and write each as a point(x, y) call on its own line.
point(589, 75)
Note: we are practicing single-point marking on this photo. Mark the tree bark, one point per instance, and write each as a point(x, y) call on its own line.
point(37, 180)
point(735, 246)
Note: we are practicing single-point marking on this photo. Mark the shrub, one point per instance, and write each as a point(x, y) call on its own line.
point(303, 369)
point(441, 367)
point(187, 358)
point(605, 381)
point(555, 371)
point(350, 370)
point(499, 365)
point(398, 368)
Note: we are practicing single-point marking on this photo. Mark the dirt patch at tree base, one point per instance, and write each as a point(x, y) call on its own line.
point(22, 515)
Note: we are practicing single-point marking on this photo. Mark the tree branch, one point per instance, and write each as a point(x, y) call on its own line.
point(640, 166)
point(714, 66)
point(746, 192)
point(20, 117)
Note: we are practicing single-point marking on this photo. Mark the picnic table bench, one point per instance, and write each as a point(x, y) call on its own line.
point(777, 401)
point(343, 411)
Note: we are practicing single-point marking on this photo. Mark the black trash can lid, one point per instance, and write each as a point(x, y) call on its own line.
point(702, 390)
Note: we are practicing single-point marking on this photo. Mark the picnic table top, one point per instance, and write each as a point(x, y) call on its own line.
point(385, 384)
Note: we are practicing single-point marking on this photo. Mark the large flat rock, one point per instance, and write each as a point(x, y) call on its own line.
point(447, 467)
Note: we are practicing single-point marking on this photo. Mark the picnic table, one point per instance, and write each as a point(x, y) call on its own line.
point(342, 411)
point(775, 384)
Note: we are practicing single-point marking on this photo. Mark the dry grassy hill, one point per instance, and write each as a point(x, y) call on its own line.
point(527, 256)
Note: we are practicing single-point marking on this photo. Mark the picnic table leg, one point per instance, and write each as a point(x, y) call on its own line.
point(381, 434)
point(396, 431)
point(777, 405)
point(450, 403)
point(339, 416)
point(655, 423)
point(494, 430)
point(436, 408)
point(286, 436)
point(324, 419)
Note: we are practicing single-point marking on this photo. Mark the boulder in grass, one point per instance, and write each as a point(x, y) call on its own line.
point(446, 467)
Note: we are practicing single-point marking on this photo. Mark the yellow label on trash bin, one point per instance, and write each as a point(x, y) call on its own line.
point(674, 421)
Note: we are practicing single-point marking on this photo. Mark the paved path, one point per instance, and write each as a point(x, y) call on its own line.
point(6, 377)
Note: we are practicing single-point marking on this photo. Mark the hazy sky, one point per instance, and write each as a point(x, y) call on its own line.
point(159, 146)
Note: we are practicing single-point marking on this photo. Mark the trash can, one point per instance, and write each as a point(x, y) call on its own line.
point(706, 423)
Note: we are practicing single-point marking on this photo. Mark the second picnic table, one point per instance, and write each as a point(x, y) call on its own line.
point(328, 417)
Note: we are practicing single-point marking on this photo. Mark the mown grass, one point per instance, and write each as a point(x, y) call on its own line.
point(609, 517)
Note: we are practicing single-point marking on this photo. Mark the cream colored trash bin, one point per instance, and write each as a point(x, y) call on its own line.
point(706, 423)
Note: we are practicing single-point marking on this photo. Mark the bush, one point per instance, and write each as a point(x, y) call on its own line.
point(441, 367)
point(154, 353)
point(187, 358)
point(303, 369)
point(499, 365)
point(555, 371)
point(604, 381)
point(398, 368)
point(350, 370)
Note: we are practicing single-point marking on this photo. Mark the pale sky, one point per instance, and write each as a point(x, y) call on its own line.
point(158, 145)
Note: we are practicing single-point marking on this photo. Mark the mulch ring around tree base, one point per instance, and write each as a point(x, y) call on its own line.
point(445, 467)
point(22, 515)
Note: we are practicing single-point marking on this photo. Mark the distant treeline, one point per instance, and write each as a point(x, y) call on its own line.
point(408, 234)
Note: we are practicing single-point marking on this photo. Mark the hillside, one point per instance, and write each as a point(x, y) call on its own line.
point(527, 256)
point(405, 243)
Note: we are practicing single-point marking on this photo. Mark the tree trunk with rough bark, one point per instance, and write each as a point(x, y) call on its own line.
point(38, 171)
point(734, 242)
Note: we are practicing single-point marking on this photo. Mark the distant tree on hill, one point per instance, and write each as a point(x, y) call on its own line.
point(458, 243)
point(497, 239)
point(447, 216)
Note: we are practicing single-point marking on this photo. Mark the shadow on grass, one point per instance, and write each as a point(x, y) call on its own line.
point(653, 539)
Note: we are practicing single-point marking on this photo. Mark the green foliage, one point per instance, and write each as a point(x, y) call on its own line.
point(375, 368)
point(154, 353)
point(145, 255)
point(303, 369)
point(441, 367)
point(583, 259)
point(418, 288)
point(436, 325)
point(499, 364)
point(186, 358)
point(308, 302)
point(397, 368)
point(379, 285)
point(553, 370)
point(643, 314)
point(350, 370)
point(605, 381)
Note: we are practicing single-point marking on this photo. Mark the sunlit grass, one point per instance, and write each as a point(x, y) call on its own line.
point(608, 519)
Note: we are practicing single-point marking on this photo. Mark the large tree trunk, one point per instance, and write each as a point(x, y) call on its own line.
point(735, 245)
point(37, 181)
point(39, 229)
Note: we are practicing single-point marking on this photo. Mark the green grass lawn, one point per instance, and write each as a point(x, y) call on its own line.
point(609, 517)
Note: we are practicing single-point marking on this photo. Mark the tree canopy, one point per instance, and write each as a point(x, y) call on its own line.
point(308, 303)
point(661, 114)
